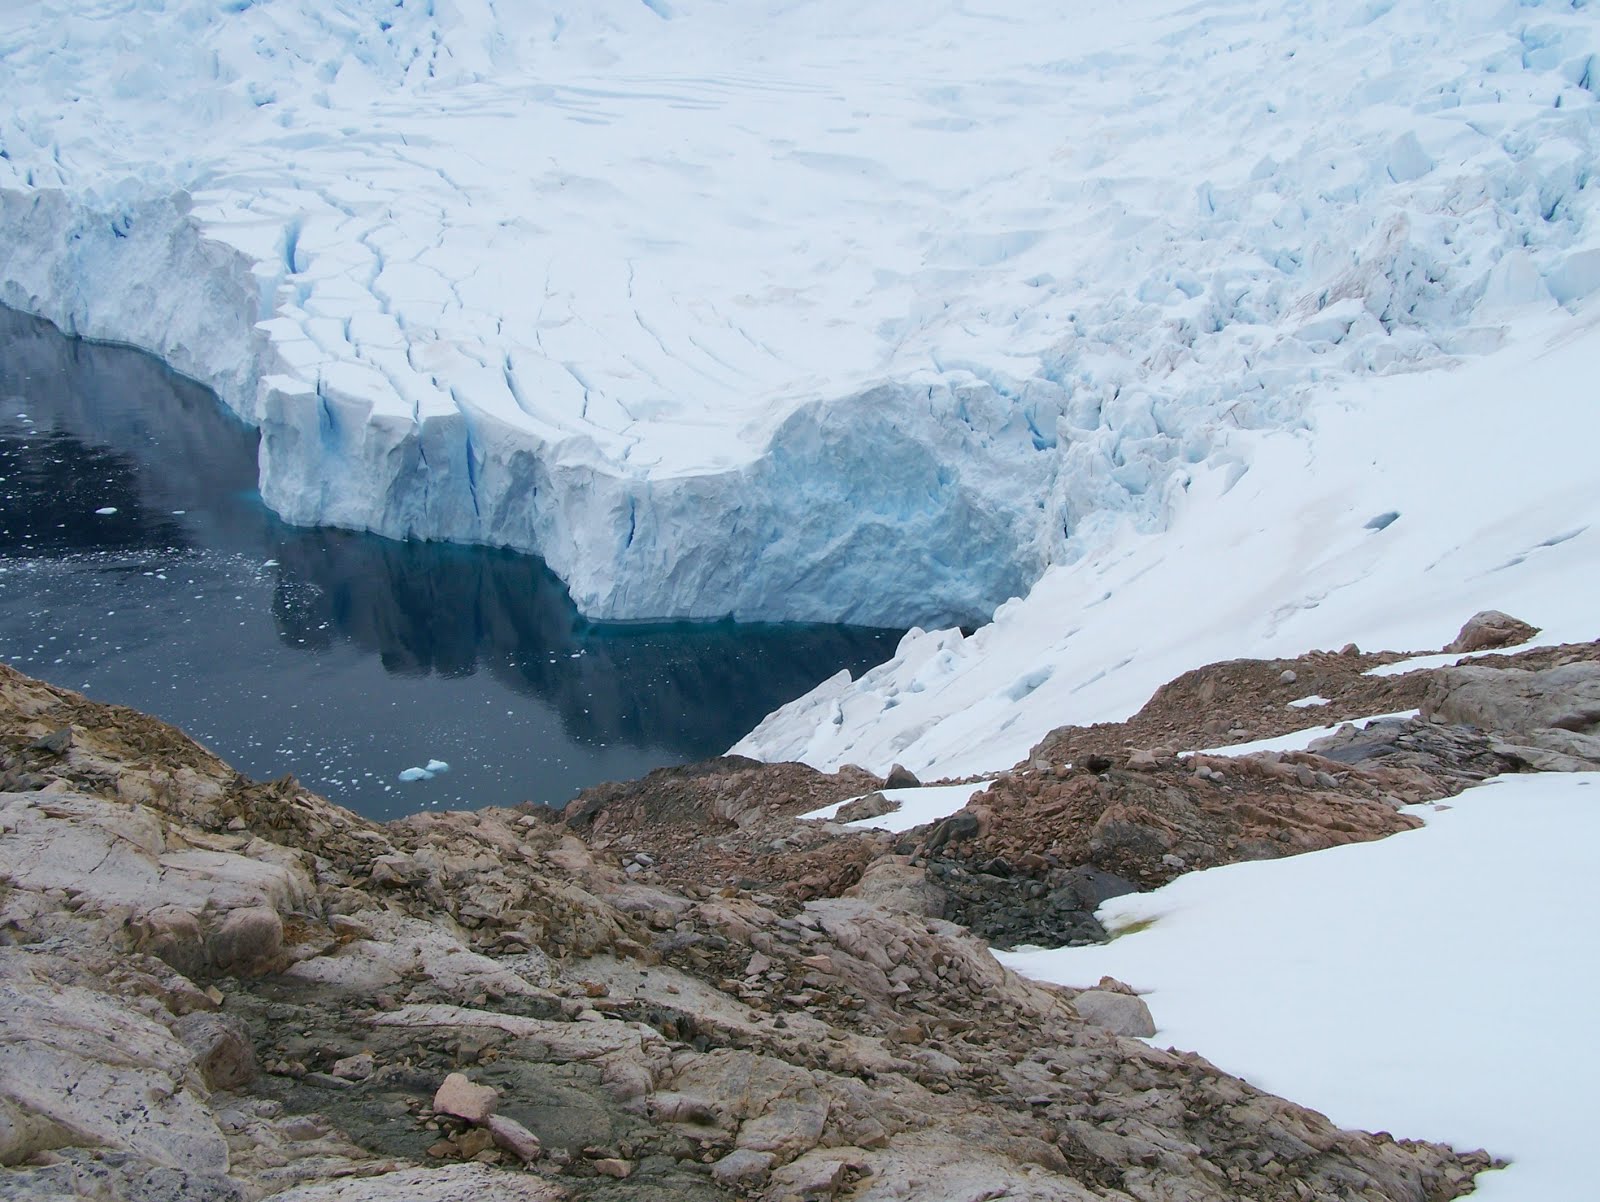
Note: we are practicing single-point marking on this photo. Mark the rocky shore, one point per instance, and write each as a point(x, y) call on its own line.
point(216, 989)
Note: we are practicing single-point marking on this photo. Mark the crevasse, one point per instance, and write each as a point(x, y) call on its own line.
point(730, 314)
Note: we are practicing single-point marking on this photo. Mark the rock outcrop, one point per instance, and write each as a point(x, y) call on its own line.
point(213, 990)
point(1547, 718)
point(1491, 629)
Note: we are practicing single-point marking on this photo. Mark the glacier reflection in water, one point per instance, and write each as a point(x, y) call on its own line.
point(138, 564)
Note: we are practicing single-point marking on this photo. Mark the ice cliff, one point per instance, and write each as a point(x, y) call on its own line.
point(789, 310)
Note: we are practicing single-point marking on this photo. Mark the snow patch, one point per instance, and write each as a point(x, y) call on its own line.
point(918, 806)
point(1326, 977)
point(1299, 740)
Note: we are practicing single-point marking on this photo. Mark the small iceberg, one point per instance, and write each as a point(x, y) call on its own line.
point(433, 768)
point(107, 511)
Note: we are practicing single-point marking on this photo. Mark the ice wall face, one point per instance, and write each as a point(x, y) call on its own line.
point(895, 503)
point(793, 310)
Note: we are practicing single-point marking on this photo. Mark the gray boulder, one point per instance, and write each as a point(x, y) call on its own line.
point(1119, 1013)
point(743, 1167)
point(873, 805)
point(222, 1049)
point(1554, 710)
point(901, 778)
point(1490, 628)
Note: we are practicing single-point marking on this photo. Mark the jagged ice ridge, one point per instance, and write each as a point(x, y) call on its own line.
point(812, 310)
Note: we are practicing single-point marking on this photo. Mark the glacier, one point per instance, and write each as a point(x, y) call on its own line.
point(794, 309)
point(1486, 474)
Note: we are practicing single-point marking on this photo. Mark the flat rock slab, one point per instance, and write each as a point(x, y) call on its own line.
point(454, 1183)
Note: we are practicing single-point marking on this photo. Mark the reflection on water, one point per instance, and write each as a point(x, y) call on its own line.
point(443, 610)
point(137, 563)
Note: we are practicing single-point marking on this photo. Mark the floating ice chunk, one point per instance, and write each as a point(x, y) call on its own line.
point(412, 774)
point(107, 511)
point(437, 766)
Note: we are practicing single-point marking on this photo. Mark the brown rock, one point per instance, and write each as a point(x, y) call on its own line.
point(759, 963)
point(460, 1097)
point(612, 1167)
point(873, 805)
point(249, 943)
point(1143, 761)
point(173, 934)
point(473, 1141)
point(894, 883)
point(353, 1068)
point(1491, 628)
point(513, 1137)
point(812, 1180)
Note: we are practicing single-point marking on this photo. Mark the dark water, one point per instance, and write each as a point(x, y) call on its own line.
point(342, 658)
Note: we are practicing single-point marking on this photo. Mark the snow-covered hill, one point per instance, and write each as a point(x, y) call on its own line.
point(818, 309)
point(1419, 500)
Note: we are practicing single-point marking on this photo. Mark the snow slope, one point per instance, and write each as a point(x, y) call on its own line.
point(1438, 984)
point(1490, 468)
point(788, 308)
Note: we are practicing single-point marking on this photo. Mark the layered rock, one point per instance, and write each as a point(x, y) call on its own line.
point(265, 994)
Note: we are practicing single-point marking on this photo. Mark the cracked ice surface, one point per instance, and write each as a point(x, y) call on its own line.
point(862, 311)
point(1490, 468)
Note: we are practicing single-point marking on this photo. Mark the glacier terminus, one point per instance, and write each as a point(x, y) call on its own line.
point(865, 313)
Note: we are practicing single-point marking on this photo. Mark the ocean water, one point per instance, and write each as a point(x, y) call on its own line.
point(138, 565)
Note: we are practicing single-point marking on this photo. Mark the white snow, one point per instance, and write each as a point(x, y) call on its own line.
point(918, 806)
point(790, 308)
point(1437, 984)
point(1299, 740)
point(1446, 659)
point(1490, 466)
point(1301, 703)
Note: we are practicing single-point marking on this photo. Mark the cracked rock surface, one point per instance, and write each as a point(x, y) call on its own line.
point(213, 989)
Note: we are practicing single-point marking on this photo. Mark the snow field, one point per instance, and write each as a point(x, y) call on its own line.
point(805, 310)
point(1438, 984)
point(1489, 467)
